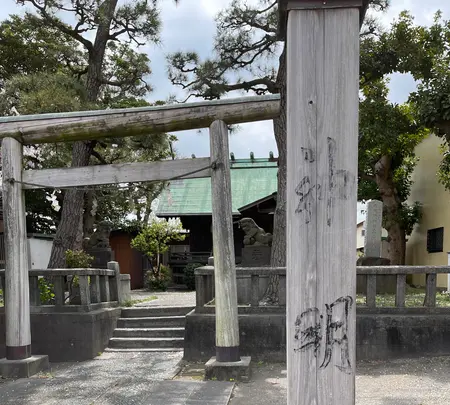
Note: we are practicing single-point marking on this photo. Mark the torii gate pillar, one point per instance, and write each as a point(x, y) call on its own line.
point(19, 362)
point(322, 156)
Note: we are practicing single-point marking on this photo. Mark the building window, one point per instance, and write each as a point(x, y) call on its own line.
point(435, 240)
point(363, 232)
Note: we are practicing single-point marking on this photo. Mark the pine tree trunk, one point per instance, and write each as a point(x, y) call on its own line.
point(89, 216)
point(69, 234)
point(278, 254)
point(391, 211)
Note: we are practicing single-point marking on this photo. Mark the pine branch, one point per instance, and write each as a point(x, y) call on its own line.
point(99, 157)
point(56, 23)
point(251, 85)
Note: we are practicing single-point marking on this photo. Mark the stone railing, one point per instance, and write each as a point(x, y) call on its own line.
point(429, 304)
point(252, 283)
point(77, 290)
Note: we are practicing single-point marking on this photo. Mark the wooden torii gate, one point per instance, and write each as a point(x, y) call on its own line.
point(18, 131)
point(322, 124)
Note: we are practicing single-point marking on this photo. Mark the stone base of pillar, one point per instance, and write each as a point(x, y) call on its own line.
point(23, 368)
point(235, 371)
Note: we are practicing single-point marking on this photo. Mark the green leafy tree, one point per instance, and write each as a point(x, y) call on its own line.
point(422, 51)
point(105, 32)
point(54, 92)
point(154, 239)
point(27, 47)
point(429, 61)
point(389, 135)
point(34, 93)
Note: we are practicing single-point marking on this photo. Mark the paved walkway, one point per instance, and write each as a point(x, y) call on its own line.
point(115, 379)
point(164, 299)
point(422, 381)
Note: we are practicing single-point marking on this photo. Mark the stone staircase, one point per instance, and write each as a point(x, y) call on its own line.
point(149, 329)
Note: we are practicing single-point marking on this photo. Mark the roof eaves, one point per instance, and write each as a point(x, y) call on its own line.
point(190, 214)
point(261, 200)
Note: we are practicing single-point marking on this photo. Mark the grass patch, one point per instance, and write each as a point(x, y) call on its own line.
point(414, 298)
point(130, 303)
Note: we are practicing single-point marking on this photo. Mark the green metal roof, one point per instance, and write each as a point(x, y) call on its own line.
point(251, 180)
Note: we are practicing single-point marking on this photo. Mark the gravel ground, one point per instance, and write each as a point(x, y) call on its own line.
point(115, 379)
point(85, 383)
point(421, 381)
point(165, 299)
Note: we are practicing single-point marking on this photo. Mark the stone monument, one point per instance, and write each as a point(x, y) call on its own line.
point(98, 246)
point(372, 237)
point(257, 244)
point(372, 251)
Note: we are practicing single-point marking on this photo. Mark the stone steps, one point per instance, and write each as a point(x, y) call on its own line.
point(143, 312)
point(146, 343)
point(160, 349)
point(148, 332)
point(150, 329)
point(152, 322)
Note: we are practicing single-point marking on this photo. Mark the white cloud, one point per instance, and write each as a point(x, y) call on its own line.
point(213, 7)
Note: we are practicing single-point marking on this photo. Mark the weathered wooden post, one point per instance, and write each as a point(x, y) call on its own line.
point(19, 362)
point(227, 327)
point(322, 152)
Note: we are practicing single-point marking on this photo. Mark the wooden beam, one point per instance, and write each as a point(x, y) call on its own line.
point(17, 300)
point(118, 173)
point(65, 127)
point(322, 145)
point(227, 328)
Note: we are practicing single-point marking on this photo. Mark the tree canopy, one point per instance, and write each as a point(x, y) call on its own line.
point(49, 65)
point(389, 134)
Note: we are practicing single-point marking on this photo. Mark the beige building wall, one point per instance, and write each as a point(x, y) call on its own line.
point(436, 210)
point(360, 235)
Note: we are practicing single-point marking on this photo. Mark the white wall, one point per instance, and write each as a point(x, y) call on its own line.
point(39, 251)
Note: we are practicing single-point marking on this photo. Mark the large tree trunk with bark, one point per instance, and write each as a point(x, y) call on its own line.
point(397, 245)
point(278, 256)
point(89, 213)
point(391, 211)
point(69, 234)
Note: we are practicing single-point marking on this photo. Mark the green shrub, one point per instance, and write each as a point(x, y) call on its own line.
point(158, 282)
point(78, 259)
point(46, 290)
point(189, 275)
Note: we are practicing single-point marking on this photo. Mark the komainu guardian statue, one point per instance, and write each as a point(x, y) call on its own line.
point(254, 235)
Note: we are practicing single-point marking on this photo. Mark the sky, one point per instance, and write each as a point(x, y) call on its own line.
point(190, 26)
